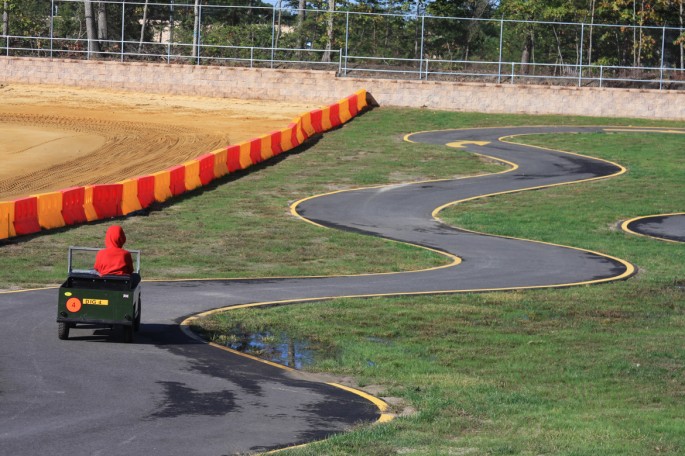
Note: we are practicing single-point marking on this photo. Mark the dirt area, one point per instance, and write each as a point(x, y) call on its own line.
point(55, 137)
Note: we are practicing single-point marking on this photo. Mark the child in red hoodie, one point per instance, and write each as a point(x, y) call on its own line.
point(113, 259)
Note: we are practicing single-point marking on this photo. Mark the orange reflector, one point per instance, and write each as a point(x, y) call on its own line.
point(73, 304)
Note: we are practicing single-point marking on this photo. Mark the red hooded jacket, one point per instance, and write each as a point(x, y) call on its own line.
point(113, 259)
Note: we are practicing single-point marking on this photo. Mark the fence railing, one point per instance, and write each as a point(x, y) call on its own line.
point(248, 56)
point(364, 44)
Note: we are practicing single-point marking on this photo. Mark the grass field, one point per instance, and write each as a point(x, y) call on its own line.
point(579, 371)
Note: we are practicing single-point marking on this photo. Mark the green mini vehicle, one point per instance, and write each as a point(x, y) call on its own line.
point(86, 298)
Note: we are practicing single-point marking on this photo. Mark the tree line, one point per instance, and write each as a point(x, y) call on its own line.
point(608, 32)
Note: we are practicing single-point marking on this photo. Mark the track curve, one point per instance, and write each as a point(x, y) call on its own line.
point(170, 394)
point(665, 227)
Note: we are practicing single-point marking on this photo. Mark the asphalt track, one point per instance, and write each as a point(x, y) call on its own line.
point(170, 394)
point(666, 227)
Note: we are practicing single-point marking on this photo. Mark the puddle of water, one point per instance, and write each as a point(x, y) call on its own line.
point(278, 348)
point(379, 340)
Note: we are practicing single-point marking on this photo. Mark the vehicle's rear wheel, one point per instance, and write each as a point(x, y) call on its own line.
point(136, 321)
point(63, 330)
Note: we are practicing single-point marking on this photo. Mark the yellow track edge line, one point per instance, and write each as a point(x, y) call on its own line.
point(26, 290)
point(624, 227)
point(382, 406)
point(630, 268)
point(455, 259)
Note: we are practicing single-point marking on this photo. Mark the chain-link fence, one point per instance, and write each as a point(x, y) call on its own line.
point(353, 43)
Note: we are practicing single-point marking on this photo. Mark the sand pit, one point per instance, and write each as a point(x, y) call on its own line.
point(54, 137)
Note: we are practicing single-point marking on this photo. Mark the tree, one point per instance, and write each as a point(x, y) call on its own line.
point(196, 29)
point(102, 22)
point(329, 31)
point(142, 28)
point(593, 5)
point(93, 44)
point(5, 17)
point(25, 18)
point(464, 37)
point(645, 47)
point(301, 5)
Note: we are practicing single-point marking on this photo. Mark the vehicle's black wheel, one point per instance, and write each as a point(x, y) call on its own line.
point(63, 330)
point(136, 321)
point(128, 333)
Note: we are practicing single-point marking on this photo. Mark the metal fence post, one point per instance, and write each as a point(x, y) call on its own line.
point(52, 25)
point(601, 74)
point(347, 38)
point(273, 33)
point(580, 61)
point(512, 72)
point(123, 19)
point(663, 49)
point(423, 25)
point(199, 33)
point(501, 37)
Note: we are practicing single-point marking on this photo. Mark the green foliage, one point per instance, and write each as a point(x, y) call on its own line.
point(398, 33)
point(28, 17)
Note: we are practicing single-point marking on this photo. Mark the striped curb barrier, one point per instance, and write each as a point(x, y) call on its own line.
point(77, 205)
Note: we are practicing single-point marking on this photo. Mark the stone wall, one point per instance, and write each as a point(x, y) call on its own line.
point(323, 87)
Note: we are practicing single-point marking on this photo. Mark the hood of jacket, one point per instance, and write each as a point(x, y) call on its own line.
point(115, 237)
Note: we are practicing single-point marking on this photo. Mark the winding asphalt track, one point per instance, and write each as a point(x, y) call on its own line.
point(168, 394)
point(667, 227)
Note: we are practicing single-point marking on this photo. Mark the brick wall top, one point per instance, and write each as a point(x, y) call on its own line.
point(324, 86)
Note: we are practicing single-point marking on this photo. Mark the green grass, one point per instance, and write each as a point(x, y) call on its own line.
point(241, 226)
point(580, 371)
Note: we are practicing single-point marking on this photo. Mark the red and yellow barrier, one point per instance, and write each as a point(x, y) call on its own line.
point(287, 139)
point(344, 113)
point(177, 179)
point(245, 155)
point(146, 191)
point(275, 142)
point(326, 119)
point(26, 216)
point(191, 176)
point(306, 124)
point(233, 158)
point(207, 175)
point(162, 185)
point(255, 151)
point(107, 200)
point(96, 202)
point(50, 210)
point(7, 220)
point(129, 196)
point(220, 162)
point(73, 200)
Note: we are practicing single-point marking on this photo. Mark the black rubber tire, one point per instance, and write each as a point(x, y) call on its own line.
point(63, 330)
point(136, 321)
